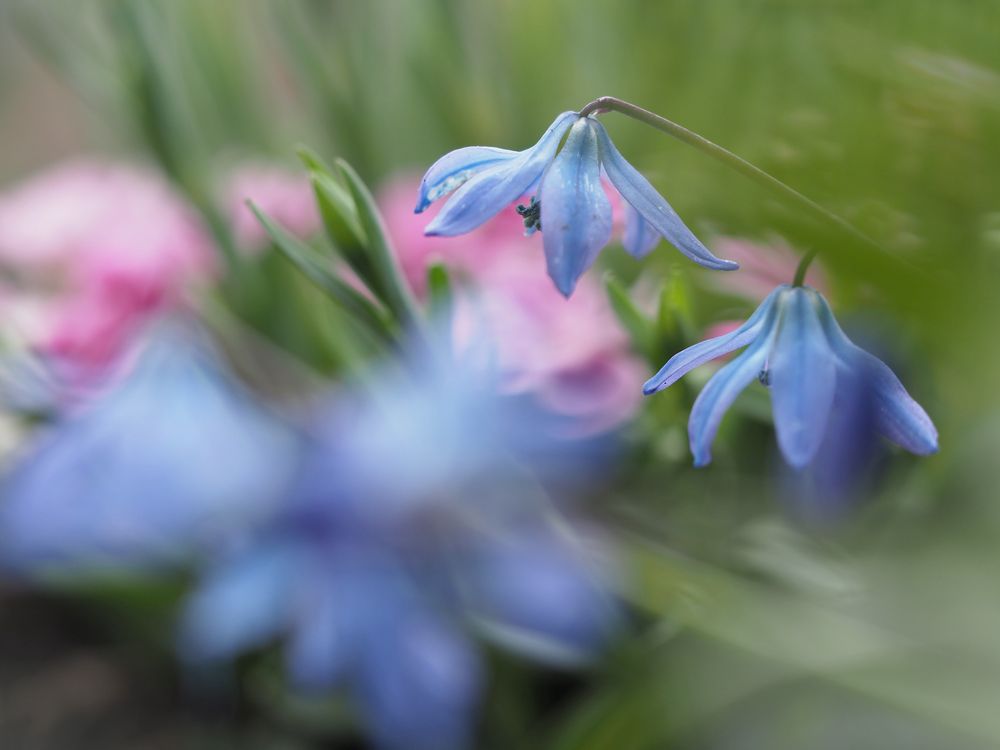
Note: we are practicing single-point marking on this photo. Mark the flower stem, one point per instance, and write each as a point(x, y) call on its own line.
point(800, 271)
point(613, 104)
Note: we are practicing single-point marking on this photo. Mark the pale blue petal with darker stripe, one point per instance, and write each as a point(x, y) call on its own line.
point(576, 213)
point(653, 207)
point(487, 192)
point(683, 362)
point(802, 373)
point(898, 417)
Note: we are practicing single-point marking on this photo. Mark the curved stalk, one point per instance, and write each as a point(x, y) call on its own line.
point(800, 270)
point(741, 165)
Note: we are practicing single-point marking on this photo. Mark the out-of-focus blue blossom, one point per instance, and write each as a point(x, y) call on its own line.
point(171, 455)
point(571, 207)
point(795, 346)
point(441, 423)
point(411, 526)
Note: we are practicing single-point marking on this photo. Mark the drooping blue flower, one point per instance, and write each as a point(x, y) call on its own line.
point(388, 614)
point(796, 348)
point(570, 207)
point(172, 456)
point(353, 615)
point(408, 530)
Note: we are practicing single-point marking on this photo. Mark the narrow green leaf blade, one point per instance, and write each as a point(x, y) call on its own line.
point(312, 161)
point(313, 266)
point(673, 315)
point(339, 215)
point(336, 207)
point(639, 327)
point(391, 284)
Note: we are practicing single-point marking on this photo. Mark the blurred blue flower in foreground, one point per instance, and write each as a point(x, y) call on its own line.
point(172, 455)
point(409, 527)
point(796, 348)
point(571, 207)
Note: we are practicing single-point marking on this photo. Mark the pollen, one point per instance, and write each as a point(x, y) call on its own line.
point(532, 215)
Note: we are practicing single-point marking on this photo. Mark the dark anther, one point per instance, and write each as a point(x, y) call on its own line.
point(532, 215)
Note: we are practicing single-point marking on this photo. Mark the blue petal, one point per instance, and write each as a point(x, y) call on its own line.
point(683, 362)
point(576, 213)
point(453, 169)
point(491, 189)
point(652, 206)
point(639, 238)
point(898, 417)
point(420, 683)
point(724, 387)
point(321, 648)
point(803, 378)
point(838, 473)
point(241, 605)
point(533, 594)
point(349, 591)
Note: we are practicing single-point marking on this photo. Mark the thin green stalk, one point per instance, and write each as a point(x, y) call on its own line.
point(800, 271)
point(613, 104)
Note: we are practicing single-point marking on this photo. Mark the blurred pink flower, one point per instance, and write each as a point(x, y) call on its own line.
point(416, 252)
point(721, 328)
point(763, 266)
point(92, 249)
point(283, 194)
point(571, 355)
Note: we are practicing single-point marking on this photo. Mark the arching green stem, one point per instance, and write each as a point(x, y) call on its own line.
point(800, 271)
point(613, 104)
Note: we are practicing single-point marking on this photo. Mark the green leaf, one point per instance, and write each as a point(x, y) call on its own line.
point(639, 328)
point(669, 311)
point(336, 207)
point(440, 292)
point(673, 329)
point(314, 267)
point(387, 280)
point(339, 216)
point(312, 161)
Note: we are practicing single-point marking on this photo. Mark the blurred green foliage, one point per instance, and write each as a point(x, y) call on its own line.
point(757, 632)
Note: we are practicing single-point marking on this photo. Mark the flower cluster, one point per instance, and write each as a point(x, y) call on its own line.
point(377, 580)
point(795, 345)
point(373, 530)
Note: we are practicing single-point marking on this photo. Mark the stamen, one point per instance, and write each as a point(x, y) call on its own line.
point(532, 215)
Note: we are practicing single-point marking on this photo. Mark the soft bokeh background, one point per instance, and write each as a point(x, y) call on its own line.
point(759, 625)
